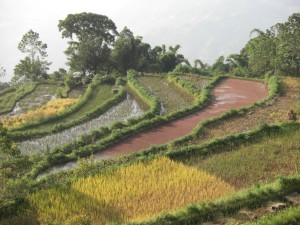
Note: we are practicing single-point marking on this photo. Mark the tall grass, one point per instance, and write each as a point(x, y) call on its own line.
point(136, 192)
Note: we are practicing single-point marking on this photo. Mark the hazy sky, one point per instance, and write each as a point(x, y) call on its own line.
point(205, 29)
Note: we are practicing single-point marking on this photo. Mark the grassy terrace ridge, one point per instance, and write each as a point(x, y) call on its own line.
point(172, 98)
point(197, 80)
point(9, 101)
point(201, 99)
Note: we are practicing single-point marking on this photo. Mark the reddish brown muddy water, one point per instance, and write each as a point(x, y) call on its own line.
point(228, 94)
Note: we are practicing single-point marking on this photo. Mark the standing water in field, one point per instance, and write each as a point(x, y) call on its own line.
point(127, 109)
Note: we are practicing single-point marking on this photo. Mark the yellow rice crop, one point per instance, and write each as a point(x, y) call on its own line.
point(48, 109)
point(136, 192)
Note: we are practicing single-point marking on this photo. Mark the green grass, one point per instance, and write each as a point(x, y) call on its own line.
point(247, 165)
point(198, 81)
point(172, 97)
point(289, 216)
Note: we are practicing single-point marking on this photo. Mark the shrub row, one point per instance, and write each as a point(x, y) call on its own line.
point(186, 85)
point(146, 96)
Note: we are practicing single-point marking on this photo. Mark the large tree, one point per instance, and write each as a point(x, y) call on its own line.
point(275, 50)
point(124, 53)
point(92, 36)
point(34, 66)
point(170, 59)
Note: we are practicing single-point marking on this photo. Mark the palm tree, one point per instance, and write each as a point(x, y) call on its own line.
point(200, 63)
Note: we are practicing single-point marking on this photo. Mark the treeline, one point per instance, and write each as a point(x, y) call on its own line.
point(274, 51)
point(96, 47)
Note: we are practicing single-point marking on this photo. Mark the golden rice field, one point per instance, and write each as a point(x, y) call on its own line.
point(132, 193)
point(48, 109)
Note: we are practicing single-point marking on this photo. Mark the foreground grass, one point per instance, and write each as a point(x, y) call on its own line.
point(136, 192)
point(250, 164)
point(171, 97)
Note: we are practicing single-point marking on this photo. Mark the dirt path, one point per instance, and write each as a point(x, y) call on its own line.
point(228, 94)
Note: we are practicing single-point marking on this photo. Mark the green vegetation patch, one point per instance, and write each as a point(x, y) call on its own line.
point(198, 81)
point(274, 155)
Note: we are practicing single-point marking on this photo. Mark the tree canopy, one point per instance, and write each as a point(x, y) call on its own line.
point(34, 65)
point(92, 36)
point(276, 50)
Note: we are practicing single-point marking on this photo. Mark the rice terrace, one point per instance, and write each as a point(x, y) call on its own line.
point(134, 134)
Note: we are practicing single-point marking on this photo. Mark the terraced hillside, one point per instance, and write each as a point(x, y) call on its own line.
point(197, 163)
